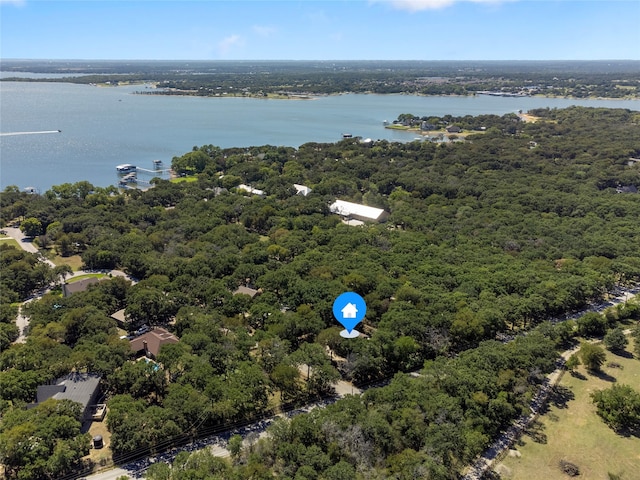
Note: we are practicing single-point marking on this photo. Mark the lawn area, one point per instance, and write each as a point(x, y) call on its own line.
point(188, 179)
point(570, 430)
point(9, 241)
point(74, 261)
point(85, 276)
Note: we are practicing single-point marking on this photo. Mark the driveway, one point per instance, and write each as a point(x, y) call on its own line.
point(25, 243)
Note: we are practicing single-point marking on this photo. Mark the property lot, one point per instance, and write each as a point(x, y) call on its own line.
point(570, 430)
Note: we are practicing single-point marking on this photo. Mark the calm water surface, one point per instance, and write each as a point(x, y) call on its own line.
point(104, 127)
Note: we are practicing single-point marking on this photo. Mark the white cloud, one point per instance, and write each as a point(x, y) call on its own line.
point(263, 30)
point(16, 3)
point(229, 43)
point(418, 5)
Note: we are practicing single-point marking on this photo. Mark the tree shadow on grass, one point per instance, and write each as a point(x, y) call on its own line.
point(561, 396)
point(536, 433)
point(578, 375)
point(603, 376)
point(622, 353)
point(628, 432)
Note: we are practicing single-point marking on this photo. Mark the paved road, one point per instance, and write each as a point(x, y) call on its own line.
point(25, 243)
point(22, 322)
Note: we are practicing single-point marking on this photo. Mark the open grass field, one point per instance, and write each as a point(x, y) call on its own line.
point(570, 430)
point(74, 261)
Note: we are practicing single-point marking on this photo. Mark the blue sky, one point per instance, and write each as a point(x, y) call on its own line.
point(321, 30)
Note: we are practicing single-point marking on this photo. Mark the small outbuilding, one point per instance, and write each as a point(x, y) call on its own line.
point(242, 290)
point(302, 189)
point(251, 190)
point(98, 442)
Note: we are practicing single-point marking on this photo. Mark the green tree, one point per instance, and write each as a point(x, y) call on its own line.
point(235, 446)
point(592, 324)
point(31, 227)
point(619, 407)
point(615, 340)
point(573, 362)
point(592, 356)
point(44, 442)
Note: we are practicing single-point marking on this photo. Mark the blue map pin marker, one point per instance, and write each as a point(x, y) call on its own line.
point(349, 309)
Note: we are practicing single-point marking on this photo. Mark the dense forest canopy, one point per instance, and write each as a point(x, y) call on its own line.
point(486, 236)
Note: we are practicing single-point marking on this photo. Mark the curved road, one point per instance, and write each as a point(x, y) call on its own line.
point(27, 245)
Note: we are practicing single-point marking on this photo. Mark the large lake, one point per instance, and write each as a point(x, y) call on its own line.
point(104, 127)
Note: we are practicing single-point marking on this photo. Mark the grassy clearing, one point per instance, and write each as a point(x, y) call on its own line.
point(570, 430)
point(84, 277)
point(74, 261)
point(9, 241)
point(184, 179)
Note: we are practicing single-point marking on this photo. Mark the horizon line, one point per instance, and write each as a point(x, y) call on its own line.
point(309, 60)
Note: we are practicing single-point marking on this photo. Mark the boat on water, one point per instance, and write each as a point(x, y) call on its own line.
point(126, 168)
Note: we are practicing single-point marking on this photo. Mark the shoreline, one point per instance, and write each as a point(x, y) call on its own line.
point(302, 96)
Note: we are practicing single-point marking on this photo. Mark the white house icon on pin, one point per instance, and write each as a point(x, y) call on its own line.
point(349, 311)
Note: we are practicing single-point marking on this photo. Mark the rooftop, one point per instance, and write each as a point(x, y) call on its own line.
point(151, 342)
point(78, 286)
point(77, 387)
point(348, 209)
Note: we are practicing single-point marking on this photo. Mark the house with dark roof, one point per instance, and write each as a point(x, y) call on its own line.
point(79, 286)
point(83, 388)
point(626, 189)
point(148, 344)
point(453, 129)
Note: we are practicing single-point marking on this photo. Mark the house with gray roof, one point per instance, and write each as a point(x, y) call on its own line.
point(78, 286)
point(83, 388)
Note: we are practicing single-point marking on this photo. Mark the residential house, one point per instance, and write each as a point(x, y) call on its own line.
point(302, 189)
point(83, 388)
point(149, 344)
point(246, 291)
point(364, 213)
point(253, 191)
point(78, 286)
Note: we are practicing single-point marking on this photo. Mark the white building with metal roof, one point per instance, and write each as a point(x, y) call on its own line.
point(356, 211)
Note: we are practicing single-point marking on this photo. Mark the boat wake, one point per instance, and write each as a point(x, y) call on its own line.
point(10, 134)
